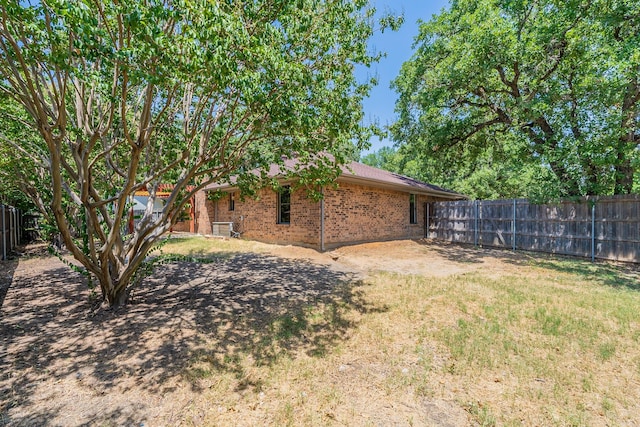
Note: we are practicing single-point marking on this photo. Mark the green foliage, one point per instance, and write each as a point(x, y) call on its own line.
point(103, 99)
point(216, 195)
point(385, 158)
point(537, 97)
point(14, 169)
point(481, 179)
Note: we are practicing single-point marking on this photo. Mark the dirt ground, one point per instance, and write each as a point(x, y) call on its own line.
point(63, 364)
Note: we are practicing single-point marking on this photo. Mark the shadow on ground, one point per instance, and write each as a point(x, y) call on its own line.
point(184, 313)
point(7, 268)
point(615, 275)
point(609, 273)
point(469, 254)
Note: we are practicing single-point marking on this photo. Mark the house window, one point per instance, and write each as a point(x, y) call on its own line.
point(413, 211)
point(232, 201)
point(284, 205)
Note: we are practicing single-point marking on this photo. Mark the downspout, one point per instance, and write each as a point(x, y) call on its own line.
point(322, 220)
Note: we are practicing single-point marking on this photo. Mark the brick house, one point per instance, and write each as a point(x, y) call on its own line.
point(368, 205)
point(186, 221)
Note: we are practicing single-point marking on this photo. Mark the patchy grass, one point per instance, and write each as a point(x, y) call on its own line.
point(556, 344)
point(256, 334)
point(540, 348)
point(212, 247)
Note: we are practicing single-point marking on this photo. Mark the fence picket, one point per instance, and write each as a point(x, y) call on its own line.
point(10, 229)
point(603, 227)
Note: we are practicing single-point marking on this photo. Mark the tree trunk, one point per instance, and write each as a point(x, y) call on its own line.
point(624, 175)
point(628, 142)
point(114, 285)
point(118, 298)
point(118, 295)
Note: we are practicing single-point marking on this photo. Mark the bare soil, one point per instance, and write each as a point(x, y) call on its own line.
point(64, 364)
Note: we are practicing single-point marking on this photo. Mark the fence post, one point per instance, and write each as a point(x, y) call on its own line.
point(475, 233)
point(20, 225)
point(4, 234)
point(513, 226)
point(13, 226)
point(593, 231)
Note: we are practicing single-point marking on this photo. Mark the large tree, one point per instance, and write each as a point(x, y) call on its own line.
point(13, 167)
point(130, 95)
point(483, 178)
point(548, 88)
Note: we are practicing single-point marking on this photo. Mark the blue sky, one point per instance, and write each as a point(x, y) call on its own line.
point(397, 45)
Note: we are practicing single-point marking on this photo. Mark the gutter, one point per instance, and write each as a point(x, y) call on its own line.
point(372, 182)
point(353, 179)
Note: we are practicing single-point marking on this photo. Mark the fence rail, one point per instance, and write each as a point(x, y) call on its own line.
point(595, 227)
point(10, 229)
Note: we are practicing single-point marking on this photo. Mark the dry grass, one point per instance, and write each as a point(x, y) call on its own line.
point(558, 343)
point(541, 348)
point(272, 335)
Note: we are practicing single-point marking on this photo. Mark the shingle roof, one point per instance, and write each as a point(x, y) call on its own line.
point(355, 171)
point(359, 173)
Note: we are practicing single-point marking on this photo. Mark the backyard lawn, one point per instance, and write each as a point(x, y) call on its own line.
point(395, 333)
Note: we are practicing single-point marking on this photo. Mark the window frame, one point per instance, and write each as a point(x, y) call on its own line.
point(413, 209)
point(284, 201)
point(232, 201)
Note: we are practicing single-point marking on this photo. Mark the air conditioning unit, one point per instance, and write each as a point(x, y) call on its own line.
point(221, 229)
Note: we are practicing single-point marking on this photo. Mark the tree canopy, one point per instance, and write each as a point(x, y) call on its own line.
point(13, 168)
point(117, 97)
point(533, 98)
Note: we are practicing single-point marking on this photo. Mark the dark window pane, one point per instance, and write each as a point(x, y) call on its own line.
point(413, 214)
point(284, 205)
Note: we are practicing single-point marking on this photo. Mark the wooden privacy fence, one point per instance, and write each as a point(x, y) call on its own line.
point(595, 227)
point(10, 229)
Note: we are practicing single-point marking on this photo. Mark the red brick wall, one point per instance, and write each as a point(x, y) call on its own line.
point(257, 219)
point(353, 214)
point(182, 226)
